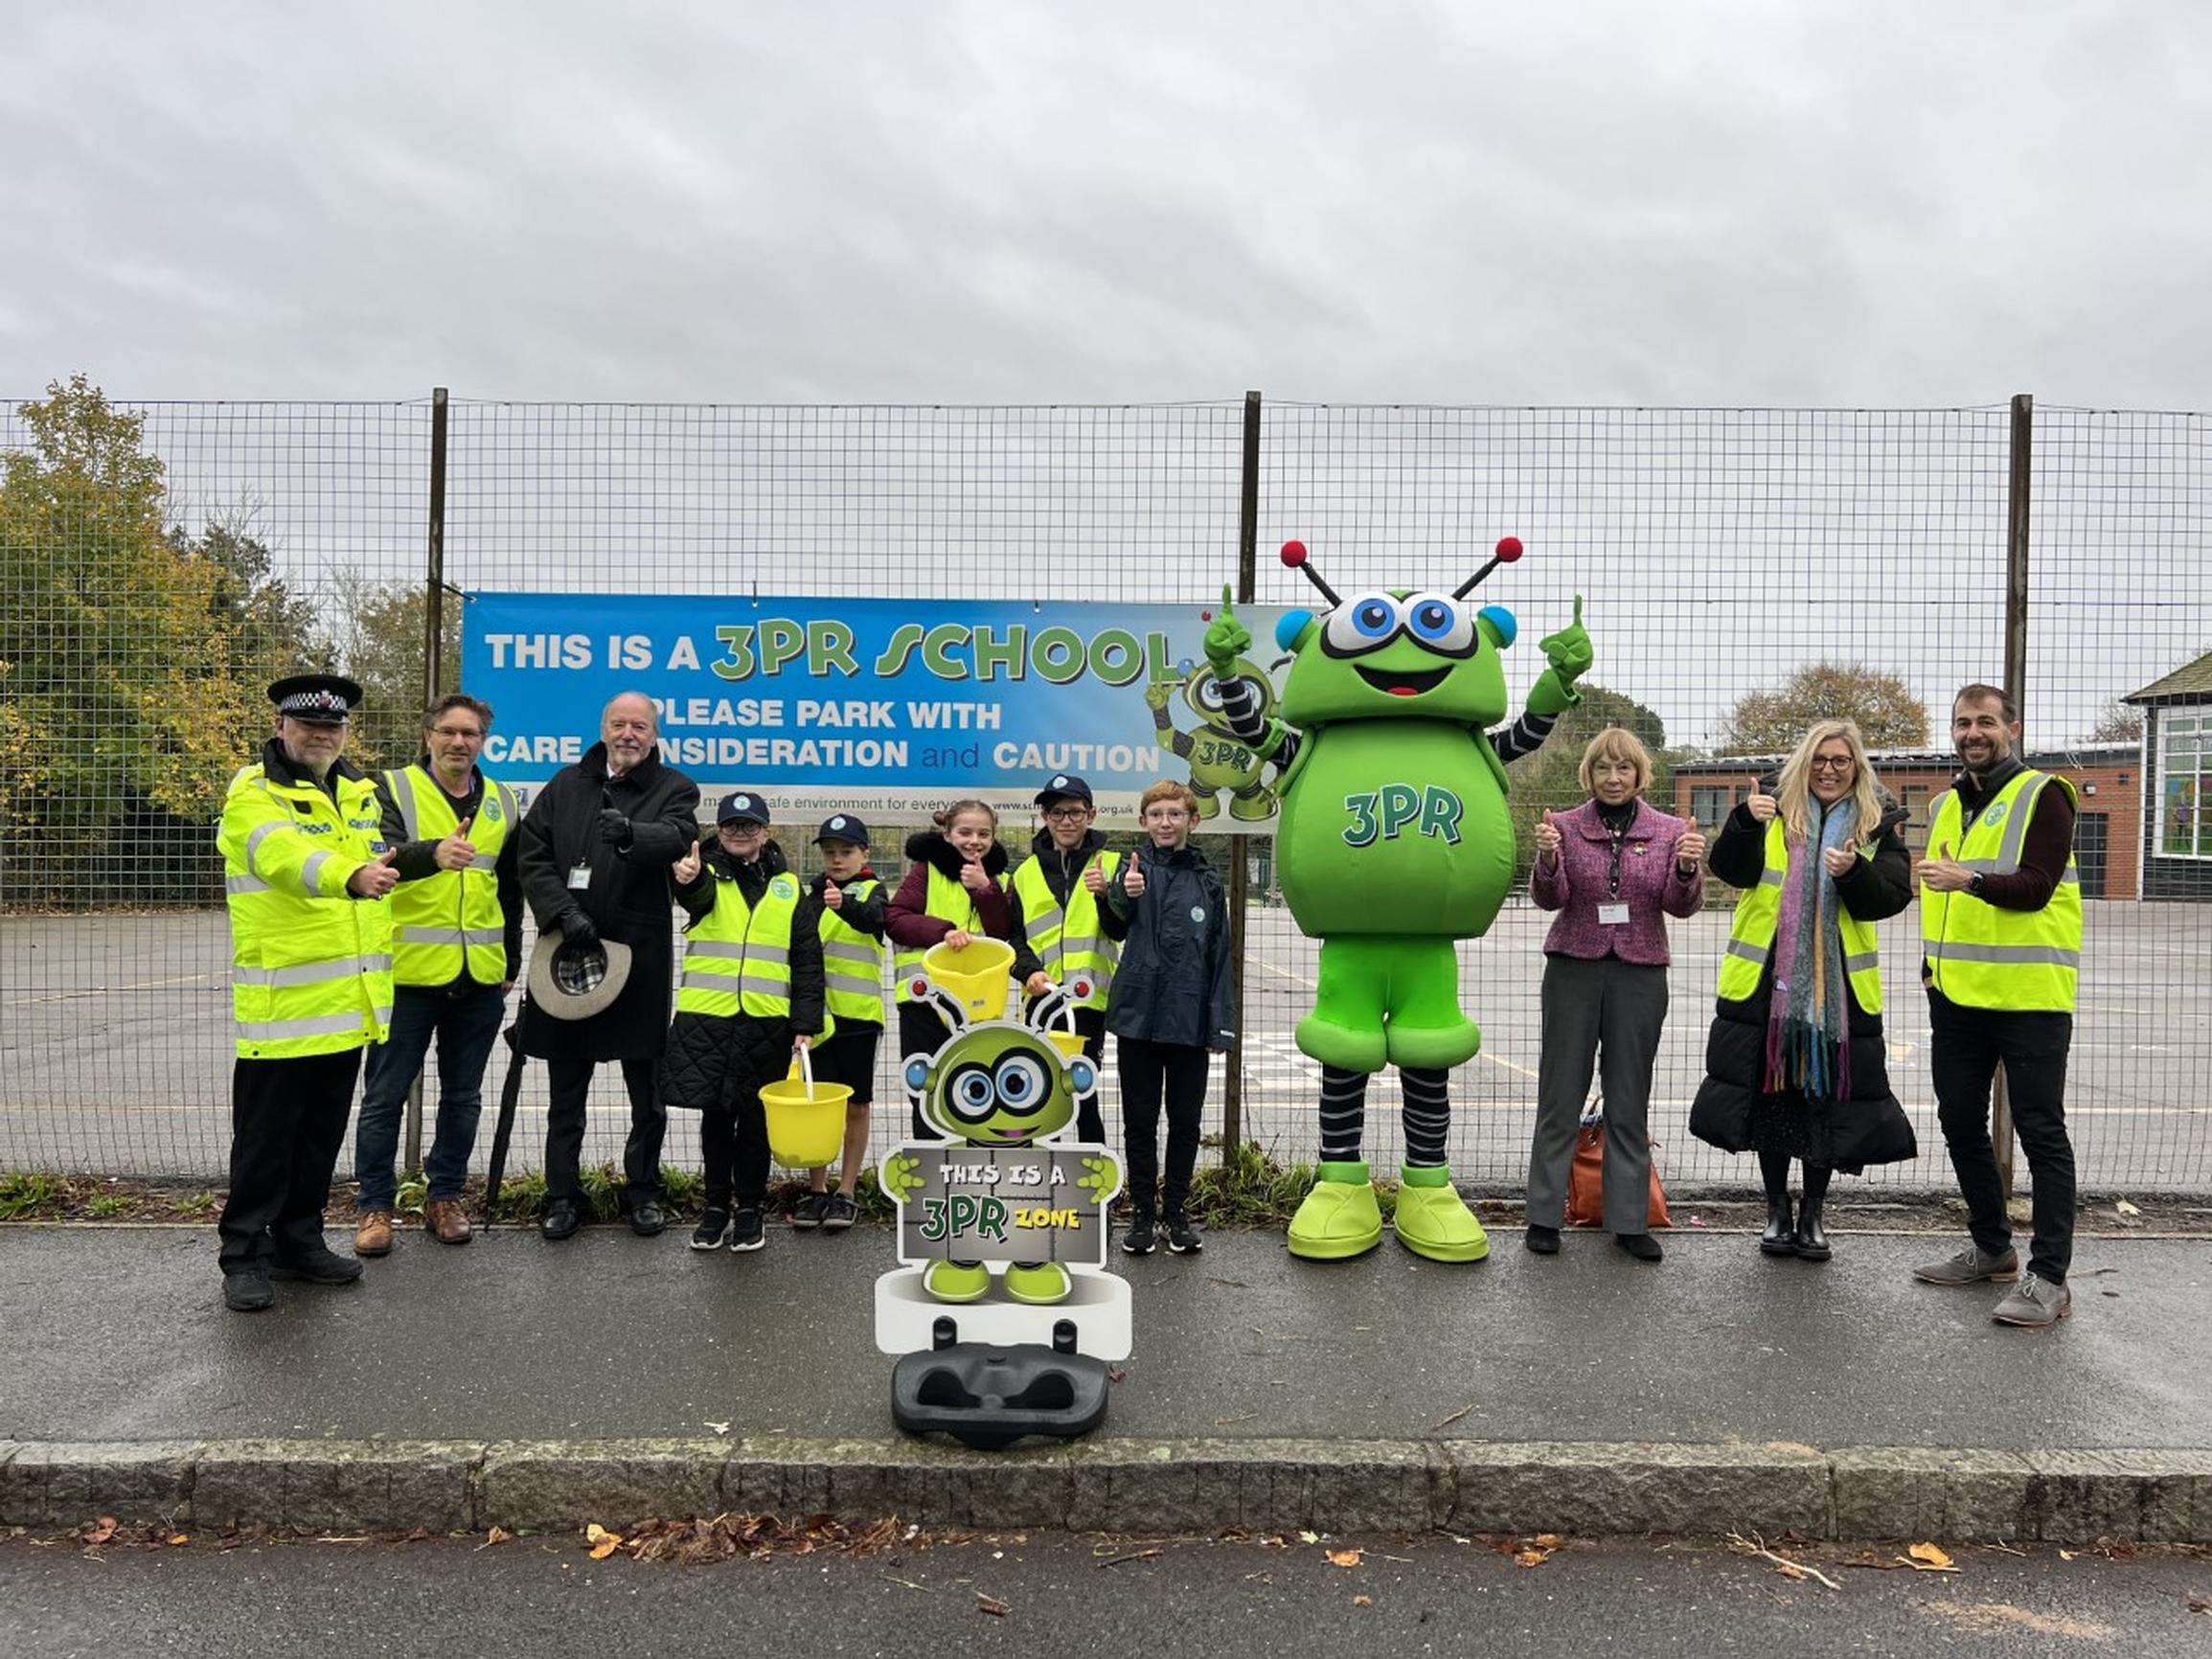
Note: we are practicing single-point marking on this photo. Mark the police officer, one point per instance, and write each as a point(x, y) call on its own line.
point(456, 938)
point(2000, 915)
point(306, 872)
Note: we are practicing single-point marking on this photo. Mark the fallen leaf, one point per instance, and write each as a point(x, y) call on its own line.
point(719, 1427)
point(180, 1538)
point(1309, 1537)
point(600, 1551)
point(603, 1542)
point(992, 1605)
point(1343, 1557)
point(1548, 1540)
point(1928, 1555)
point(1789, 1569)
point(99, 1533)
point(2066, 1554)
point(1363, 1600)
point(2124, 1207)
point(497, 1536)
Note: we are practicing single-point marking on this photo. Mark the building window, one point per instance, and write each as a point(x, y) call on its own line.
point(1915, 798)
point(1710, 803)
point(2184, 785)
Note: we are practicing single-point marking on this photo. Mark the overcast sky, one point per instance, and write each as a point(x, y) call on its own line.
point(1751, 203)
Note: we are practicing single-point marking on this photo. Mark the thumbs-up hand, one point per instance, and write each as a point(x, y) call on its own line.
point(686, 869)
point(1839, 859)
point(1570, 651)
point(1093, 879)
point(833, 895)
point(1689, 849)
point(1763, 805)
point(1228, 639)
point(1940, 873)
point(972, 876)
point(1134, 883)
point(374, 878)
point(456, 852)
point(1547, 838)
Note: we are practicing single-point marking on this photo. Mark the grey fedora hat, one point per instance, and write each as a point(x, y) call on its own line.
point(574, 982)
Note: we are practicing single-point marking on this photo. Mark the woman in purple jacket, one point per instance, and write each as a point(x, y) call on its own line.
point(1615, 868)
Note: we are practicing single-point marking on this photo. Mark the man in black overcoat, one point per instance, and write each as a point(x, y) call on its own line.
point(596, 848)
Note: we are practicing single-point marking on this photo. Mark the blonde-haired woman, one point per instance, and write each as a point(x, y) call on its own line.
point(1615, 868)
point(1794, 1063)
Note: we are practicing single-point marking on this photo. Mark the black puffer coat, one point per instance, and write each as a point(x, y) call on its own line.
point(719, 1059)
point(627, 899)
point(1870, 1127)
point(1176, 984)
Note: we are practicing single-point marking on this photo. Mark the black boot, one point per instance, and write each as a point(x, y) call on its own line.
point(1779, 1239)
point(1811, 1242)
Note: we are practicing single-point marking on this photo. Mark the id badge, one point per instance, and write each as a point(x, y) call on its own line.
point(578, 877)
point(1612, 915)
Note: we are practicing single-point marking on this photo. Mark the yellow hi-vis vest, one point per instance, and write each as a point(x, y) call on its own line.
point(451, 920)
point(737, 957)
point(1070, 942)
point(948, 901)
point(1982, 956)
point(851, 963)
point(1751, 939)
point(310, 965)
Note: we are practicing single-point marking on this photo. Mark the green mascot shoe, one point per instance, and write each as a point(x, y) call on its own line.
point(1041, 1285)
point(1341, 1217)
point(957, 1281)
point(1433, 1221)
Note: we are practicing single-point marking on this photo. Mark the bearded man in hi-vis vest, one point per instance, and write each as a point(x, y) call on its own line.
point(2000, 910)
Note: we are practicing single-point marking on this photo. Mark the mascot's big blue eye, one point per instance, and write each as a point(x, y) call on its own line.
point(1373, 617)
point(1439, 624)
point(970, 1095)
point(1362, 625)
point(1022, 1086)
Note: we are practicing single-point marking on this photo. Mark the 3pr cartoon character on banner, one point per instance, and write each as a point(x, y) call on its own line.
point(1394, 842)
point(1002, 1306)
point(1220, 758)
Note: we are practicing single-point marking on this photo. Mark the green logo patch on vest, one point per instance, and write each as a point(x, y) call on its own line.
point(1996, 813)
point(785, 887)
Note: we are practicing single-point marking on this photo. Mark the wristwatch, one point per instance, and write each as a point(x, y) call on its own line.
point(1975, 885)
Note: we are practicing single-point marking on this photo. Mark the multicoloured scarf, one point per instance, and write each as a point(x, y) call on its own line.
point(1809, 1014)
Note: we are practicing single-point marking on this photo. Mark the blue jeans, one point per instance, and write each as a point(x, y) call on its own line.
point(465, 1028)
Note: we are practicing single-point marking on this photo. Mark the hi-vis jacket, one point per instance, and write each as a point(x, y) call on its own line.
point(451, 920)
point(1981, 955)
point(310, 965)
point(1066, 933)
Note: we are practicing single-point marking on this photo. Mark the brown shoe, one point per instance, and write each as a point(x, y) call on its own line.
point(372, 1236)
point(447, 1221)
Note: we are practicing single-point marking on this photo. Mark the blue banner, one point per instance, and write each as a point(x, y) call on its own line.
point(876, 705)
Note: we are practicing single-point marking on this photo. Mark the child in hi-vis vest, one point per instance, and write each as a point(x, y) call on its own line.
point(954, 892)
point(844, 908)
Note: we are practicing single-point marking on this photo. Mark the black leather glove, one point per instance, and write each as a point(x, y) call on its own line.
point(578, 930)
point(614, 827)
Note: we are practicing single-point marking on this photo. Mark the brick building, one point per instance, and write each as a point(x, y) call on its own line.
point(2176, 791)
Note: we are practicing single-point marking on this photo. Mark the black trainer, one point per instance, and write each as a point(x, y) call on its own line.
point(713, 1227)
point(745, 1232)
point(319, 1266)
point(248, 1290)
point(1182, 1237)
point(1138, 1237)
point(840, 1213)
point(807, 1213)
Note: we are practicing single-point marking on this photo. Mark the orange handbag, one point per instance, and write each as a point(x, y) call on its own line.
point(1587, 1180)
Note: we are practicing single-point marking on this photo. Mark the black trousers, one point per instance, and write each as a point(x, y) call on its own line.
point(1967, 1043)
point(1148, 1071)
point(287, 1125)
point(1090, 1022)
point(570, 1083)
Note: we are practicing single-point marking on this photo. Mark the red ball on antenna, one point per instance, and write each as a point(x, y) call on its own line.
point(1509, 548)
point(1294, 554)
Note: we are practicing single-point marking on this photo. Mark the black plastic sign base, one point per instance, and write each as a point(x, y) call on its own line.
point(988, 1396)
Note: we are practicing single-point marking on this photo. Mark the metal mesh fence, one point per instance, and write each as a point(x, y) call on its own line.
point(1720, 553)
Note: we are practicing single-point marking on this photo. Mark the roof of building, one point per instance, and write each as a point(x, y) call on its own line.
point(2072, 760)
point(2189, 681)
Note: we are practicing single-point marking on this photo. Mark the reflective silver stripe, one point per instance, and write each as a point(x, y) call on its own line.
point(507, 810)
point(768, 953)
point(244, 884)
point(1082, 943)
point(854, 982)
point(725, 984)
point(1861, 963)
point(1770, 877)
point(713, 947)
point(2072, 876)
point(410, 934)
point(2015, 834)
point(311, 972)
point(1746, 949)
point(779, 988)
point(404, 792)
point(2010, 955)
point(484, 861)
point(260, 834)
point(311, 871)
point(1043, 924)
point(271, 1030)
point(1050, 954)
point(859, 954)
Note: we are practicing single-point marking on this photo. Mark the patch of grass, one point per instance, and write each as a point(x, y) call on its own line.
point(27, 1193)
point(198, 1204)
point(681, 1191)
point(109, 1204)
point(412, 1195)
point(521, 1198)
point(1249, 1188)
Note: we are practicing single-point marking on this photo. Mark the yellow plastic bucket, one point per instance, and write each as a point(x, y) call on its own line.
point(1069, 1042)
point(975, 975)
point(806, 1119)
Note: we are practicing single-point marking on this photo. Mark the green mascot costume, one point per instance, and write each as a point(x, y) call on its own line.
point(1394, 842)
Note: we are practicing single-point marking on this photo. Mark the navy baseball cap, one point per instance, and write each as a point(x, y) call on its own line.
point(1064, 786)
point(741, 806)
point(843, 826)
point(318, 699)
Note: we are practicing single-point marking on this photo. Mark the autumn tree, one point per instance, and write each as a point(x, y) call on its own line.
point(1770, 722)
point(2117, 722)
point(377, 639)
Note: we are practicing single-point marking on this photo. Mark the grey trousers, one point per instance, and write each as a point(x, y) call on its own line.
point(1608, 1011)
